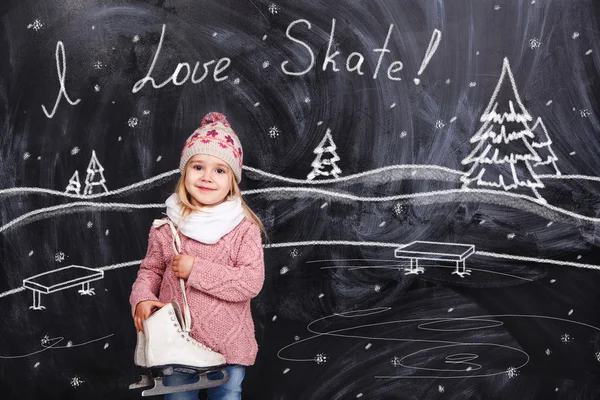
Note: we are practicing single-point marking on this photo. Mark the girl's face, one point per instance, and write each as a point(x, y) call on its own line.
point(207, 180)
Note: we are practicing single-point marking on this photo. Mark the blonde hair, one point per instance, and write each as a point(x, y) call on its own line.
point(187, 208)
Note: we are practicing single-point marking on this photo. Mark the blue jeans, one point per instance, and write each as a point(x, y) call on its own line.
point(230, 390)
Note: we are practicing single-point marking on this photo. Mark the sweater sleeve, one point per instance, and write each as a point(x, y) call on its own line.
point(239, 282)
point(149, 277)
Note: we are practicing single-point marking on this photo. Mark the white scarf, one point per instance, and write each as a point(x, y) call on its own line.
point(211, 223)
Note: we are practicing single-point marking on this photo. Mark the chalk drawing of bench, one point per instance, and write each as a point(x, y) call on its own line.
point(436, 251)
point(59, 279)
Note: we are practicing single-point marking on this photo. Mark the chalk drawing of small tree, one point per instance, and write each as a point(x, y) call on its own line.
point(503, 155)
point(324, 163)
point(543, 145)
point(74, 184)
point(95, 177)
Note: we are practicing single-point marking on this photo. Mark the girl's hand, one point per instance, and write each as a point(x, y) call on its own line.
point(143, 310)
point(182, 266)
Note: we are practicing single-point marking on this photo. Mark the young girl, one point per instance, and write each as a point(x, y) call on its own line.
point(221, 256)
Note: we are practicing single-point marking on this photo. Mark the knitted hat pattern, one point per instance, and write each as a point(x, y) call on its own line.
point(216, 138)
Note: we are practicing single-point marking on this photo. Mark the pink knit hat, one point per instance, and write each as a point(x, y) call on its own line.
point(216, 138)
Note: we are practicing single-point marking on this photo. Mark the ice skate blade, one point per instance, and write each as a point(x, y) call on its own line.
point(144, 382)
point(158, 371)
point(204, 383)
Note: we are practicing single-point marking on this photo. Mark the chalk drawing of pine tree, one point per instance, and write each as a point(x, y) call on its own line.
point(503, 155)
point(94, 181)
point(74, 184)
point(324, 163)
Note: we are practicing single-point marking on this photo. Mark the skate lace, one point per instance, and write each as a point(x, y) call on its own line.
point(193, 341)
point(177, 249)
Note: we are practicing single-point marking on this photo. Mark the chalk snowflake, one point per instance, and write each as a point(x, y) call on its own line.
point(534, 43)
point(584, 113)
point(377, 288)
point(236, 81)
point(566, 338)
point(36, 25)
point(45, 340)
point(295, 253)
point(307, 100)
point(472, 84)
point(26, 155)
point(98, 65)
point(321, 358)
point(133, 121)
point(76, 381)
point(441, 389)
point(90, 224)
point(273, 9)
point(395, 361)
point(273, 132)
point(439, 124)
point(399, 209)
point(512, 372)
point(403, 134)
point(59, 257)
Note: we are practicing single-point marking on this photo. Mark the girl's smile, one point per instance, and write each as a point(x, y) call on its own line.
point(207, 180)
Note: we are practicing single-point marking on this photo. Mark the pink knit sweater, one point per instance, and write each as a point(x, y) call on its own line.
point(225, 276)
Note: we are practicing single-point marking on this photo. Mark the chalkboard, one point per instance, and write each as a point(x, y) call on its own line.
point(427, 172)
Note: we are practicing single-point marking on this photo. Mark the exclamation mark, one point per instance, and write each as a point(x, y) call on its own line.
point(433, 45)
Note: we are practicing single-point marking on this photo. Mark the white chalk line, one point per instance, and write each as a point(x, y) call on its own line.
point(13, 291)
point(537, 260)
point(419, 195)
point(110, 206)
point(354, 176)
point(401, 266)
point(568, 177)
point(330, 243)
point(18, 190)
point(55, 346)
point(120, 265)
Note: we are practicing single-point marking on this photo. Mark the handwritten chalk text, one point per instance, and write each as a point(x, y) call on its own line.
point(61, 68)
point(183, 67)
point(355, 60)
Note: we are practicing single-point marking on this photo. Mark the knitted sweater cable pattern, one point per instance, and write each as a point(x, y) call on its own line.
point(225, 276)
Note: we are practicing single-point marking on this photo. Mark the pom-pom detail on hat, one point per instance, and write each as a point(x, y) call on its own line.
point(214, 137)
point(213, 118)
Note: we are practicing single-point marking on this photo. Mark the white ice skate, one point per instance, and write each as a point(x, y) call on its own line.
point(166, 346)
point(139, 359)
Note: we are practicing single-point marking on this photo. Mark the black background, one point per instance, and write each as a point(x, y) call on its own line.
point(375, 123)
